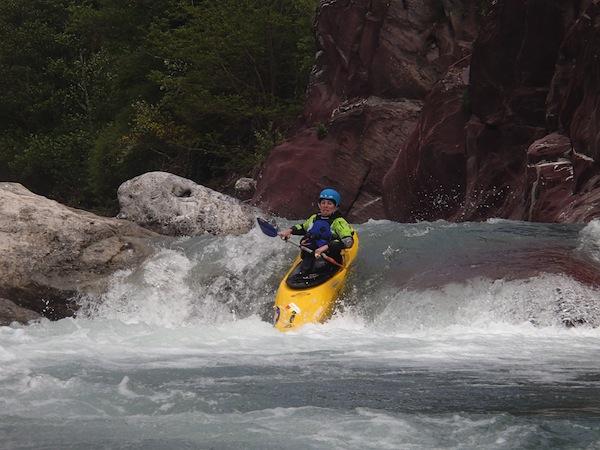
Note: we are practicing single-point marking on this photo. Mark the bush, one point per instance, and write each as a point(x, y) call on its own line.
point(321, 130)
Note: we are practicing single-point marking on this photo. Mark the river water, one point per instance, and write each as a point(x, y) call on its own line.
point(448, 336)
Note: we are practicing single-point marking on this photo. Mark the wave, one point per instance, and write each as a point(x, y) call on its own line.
point(408, 276)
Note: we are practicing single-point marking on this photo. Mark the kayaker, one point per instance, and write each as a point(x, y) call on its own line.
point(325, 232)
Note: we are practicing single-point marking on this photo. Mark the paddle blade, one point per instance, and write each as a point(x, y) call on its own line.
point(266, 227)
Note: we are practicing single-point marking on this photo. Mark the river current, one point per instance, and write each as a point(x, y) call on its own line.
point(448, 336)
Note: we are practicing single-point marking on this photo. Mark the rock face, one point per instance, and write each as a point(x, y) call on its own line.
point(486, 121)
point(51, 252)
point(377, 61)
point(427, 180)
point(172, 205)
point(245, 188)
point(352, 157)
point(386, 49)
point(10, 312)
point(527, 144)
point(572, 109)
point(511, 70)
point(550, 177)
point(498, 82)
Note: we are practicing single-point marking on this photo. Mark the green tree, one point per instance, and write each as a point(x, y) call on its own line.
point(230, 69)
point(97, 91)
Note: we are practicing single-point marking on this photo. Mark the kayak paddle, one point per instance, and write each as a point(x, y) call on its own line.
point(266, 227)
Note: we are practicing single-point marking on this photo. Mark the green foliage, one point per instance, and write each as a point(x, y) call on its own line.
point(98, 91)
point(31, 50)
point(230, 69)
point(54, 164)
point(321, 130)
point(266, 140)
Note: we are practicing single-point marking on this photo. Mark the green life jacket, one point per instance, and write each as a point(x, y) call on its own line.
point(339, 227)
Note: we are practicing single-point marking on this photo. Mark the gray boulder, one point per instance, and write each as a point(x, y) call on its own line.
point(10, 312)
point(176, 206)
point(50, 252)
point(245, 188)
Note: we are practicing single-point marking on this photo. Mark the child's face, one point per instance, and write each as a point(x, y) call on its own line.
point(326, 207)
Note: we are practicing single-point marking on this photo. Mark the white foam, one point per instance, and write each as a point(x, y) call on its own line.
point(417, 231)
point(589, 239)
point(157, 293)
point(496, 220)
point(5, 356)
point(124, 389)
point(545, 300)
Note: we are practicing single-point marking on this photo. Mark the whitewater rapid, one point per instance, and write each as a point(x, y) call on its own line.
point(448, 336)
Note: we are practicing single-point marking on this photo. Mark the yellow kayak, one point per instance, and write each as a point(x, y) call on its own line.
point(295, 306)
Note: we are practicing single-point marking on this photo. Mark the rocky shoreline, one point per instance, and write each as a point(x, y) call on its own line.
point(53, 253)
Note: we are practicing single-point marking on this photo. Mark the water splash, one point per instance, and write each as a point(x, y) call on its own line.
point(589, 240)
point(408, 276)
point(546, 300)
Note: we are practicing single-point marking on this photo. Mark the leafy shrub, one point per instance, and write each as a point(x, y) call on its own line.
point(321, 130)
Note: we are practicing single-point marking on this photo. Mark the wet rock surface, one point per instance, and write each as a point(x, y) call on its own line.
point(51, 253)
point(427, 179)
point(245, 188)
point(10, 312)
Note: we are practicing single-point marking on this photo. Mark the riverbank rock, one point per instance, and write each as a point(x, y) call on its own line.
point(427, 179)
point(352, 157)
point(50, 252)
point(176, 206)
point(245, 188)
point(550, 177)
point(10, 312)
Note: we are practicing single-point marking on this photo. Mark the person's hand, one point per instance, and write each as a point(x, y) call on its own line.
point(320, 250)
point(285, 234)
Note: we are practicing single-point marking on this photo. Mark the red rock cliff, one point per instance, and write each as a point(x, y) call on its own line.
point(411, 122)
point(376, 62)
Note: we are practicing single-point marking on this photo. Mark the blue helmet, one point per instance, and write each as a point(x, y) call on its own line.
point(331, 194)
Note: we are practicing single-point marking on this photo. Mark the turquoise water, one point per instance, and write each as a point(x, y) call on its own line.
point(449, 336)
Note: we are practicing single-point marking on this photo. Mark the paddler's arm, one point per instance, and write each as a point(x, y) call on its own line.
point(297, 230)
point(343, 232)
point(336, 245)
